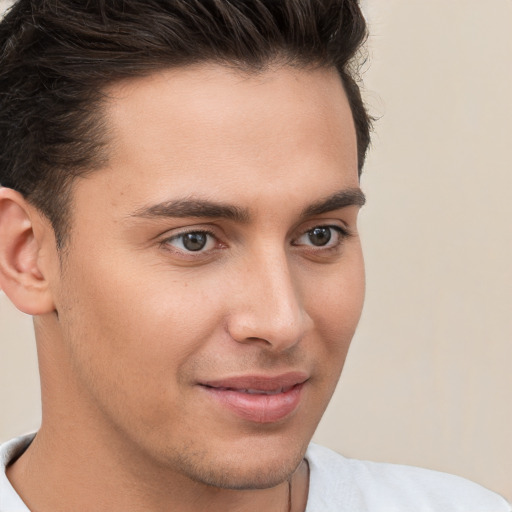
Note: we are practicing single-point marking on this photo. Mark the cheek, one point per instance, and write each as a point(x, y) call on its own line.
point(150, 325)
point(338, 295)
point(336, 309)
point(132, 333)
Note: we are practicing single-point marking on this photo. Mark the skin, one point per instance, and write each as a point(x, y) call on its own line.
point(131, 322)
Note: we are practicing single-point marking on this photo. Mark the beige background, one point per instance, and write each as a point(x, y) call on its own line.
point(428, 380)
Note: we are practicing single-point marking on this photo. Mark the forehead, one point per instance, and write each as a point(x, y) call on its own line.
point(210, 128)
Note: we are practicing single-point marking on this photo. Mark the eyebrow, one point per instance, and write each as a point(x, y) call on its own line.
point(194, 208)
point(208, 209)
point(341, 199)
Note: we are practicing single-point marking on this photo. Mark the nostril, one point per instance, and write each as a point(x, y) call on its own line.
point(256, 338)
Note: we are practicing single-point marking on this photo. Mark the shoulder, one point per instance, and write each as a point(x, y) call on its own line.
point(339, 483)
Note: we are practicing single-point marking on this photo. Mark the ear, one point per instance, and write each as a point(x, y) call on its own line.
point(21, 236)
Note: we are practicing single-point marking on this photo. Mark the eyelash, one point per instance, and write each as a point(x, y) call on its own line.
point(179, 236)
point(342, 234)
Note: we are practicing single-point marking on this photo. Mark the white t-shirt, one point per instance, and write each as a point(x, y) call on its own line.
point(338, 484)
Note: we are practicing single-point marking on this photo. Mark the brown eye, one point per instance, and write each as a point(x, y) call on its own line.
point(194, 241)
point(320, 236)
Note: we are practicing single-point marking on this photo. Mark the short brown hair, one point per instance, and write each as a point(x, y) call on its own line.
point(57, 57)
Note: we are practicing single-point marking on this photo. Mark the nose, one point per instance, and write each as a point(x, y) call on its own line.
point(268, 308)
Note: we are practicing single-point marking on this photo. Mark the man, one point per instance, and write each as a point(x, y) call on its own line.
point(179, 214)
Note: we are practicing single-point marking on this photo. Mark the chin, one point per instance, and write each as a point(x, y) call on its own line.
point(254, 469)
point(239, 478)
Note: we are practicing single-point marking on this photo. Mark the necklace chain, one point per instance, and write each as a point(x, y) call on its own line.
point(290, 495)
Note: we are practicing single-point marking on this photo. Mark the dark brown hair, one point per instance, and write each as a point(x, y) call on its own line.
point(57, 57)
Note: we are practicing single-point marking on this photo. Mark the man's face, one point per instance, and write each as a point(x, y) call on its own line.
point(216, 254)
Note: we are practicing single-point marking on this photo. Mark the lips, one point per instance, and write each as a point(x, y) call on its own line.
point(259, 399)
point(257, 391)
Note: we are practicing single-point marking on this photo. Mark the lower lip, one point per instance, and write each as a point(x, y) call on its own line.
point(258, 408)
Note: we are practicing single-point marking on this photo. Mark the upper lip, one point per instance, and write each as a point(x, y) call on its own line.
point(258, 382)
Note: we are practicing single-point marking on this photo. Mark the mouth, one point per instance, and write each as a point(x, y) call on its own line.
point(258, 399)
point(255, 391)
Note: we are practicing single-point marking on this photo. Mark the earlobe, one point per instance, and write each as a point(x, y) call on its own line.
point(21, 276)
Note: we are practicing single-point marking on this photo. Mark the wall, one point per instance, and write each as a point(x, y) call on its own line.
point(428, 378)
